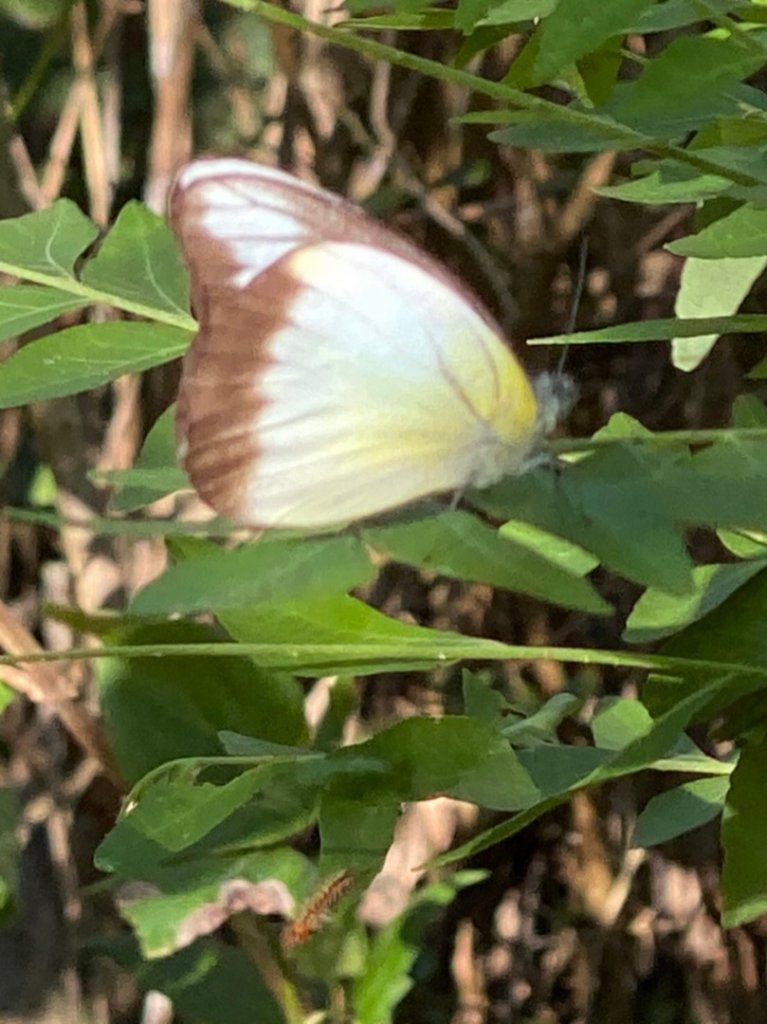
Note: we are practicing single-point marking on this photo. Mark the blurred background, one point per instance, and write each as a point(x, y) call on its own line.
point(101, 103)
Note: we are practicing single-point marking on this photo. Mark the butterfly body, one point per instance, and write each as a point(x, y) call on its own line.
point(338, 371)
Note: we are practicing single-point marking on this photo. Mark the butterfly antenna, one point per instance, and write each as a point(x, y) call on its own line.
point(580, 282)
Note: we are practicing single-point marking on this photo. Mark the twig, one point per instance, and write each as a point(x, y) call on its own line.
point(63, 139)
point(94, 153)
point(578, 209)
point(171, 25)
point(51, 683)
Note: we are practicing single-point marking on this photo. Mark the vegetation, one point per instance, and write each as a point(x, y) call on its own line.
point(563, 680)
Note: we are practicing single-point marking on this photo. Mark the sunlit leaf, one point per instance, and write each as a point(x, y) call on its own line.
point(84, 357)
point(710, 288)
point(139, 261)
point(25, 306)
point(657, 614)
point(741, 233)
point(47, 241)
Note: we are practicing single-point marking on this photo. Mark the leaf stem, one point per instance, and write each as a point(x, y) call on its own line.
point(93, 296)
point(302, 654)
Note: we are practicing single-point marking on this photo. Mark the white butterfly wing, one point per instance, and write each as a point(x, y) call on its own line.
point(338, 378)
point(261, 213)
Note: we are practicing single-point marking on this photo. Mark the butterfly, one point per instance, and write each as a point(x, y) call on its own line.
point(338, 371)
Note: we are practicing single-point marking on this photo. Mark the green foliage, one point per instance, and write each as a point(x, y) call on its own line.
point(9, 808)
point(744, 889)
point(460, 545)
point(681, 809)
point(271, 571)
point(206, 718)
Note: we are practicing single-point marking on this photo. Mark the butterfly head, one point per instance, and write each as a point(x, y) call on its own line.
point(556, 394)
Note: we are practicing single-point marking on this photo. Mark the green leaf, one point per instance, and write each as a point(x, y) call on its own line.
point(542, 725)
point(469, 12)
point(157, 458)
point(660, 330)
point(599, 71)
point(6, 694)
point(388, 976)
point(626, 503)
point(511, 12)
point(176, 812)
point(738, 160)
point(10, 813)
point(657, 614)
point(570, 557)
point(139, 261)
point(353, 637)
point(467, 759)
point(741, 233)
point(618, 722)
point(552, 133)
point(459, 544)
point(724, 485)
point(145, 485)
point(603, 504)
point(356, 831)
point(264, 572)
point(500, 782)
point(735, 626)
point(623, 517)
point(710, 288)
point(482, 701)
point(574, 29)
point(733, 632)
point(748, 411)
point(406, 21)
point(744, 835)
point(84, 357)
point(456, 745)
point(420, 650)
point(160, 709)
point(759, 372)
point(46, 242)
point(684, 86)
point(158, 917)
point(278, 800)
point(675, 13)
point(210, 983)
point(668, 182)
point(559, 771)
point(744, 543)
point(24, 306)
point(680, 810)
